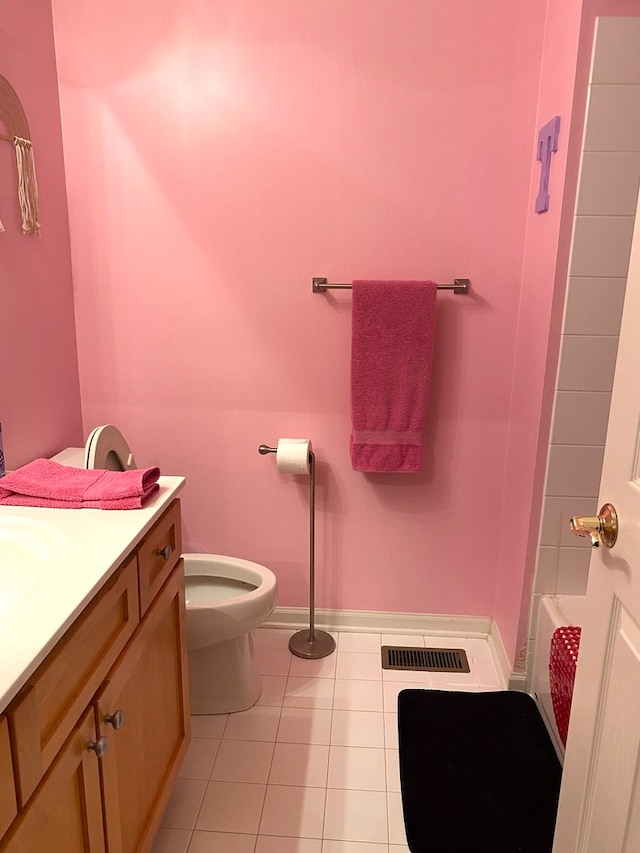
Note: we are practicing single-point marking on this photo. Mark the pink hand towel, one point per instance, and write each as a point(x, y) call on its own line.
point(393, 326)
point(46, 483)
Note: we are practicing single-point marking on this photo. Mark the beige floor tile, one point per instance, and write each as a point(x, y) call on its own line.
point(208, 725)
point(354, 642)
point(359, 666)
point(305, 725)
point(231, 807)
point(171, 840)
point(280, 844)
point(300, 764)
point(356, 767)
point(293, 811)
point(217, 842)
point(360, 695)
point(199, 759)
point(273, 688)
point(258, 723)
point(357, 728)
point(272, 661)
point(185, 800)
point(304, 692)
point(242, 761)
point(356, 816)
point(395, 817)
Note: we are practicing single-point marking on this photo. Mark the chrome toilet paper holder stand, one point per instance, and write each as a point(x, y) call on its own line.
point(312, 643)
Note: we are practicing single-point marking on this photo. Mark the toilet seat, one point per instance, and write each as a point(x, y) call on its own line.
point(207, 589)
point(107, 448)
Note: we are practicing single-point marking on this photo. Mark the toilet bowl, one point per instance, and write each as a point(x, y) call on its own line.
point(227, 599)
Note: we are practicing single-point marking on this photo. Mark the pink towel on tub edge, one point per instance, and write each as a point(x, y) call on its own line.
point(45, 483)
point(393, 333)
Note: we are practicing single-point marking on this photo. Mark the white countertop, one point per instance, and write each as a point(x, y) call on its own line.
point(86, 545)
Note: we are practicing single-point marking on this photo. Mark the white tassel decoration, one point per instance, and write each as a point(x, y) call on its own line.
point(27, 185)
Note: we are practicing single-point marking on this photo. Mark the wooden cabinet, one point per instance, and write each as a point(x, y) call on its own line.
point(144, 698)
point(100, 729)
point(158, 555)
point(65, 814)
point(8, 805)
point(50, 703)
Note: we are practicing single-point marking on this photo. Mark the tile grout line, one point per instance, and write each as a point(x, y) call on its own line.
point(275, 742)
point(326, 778)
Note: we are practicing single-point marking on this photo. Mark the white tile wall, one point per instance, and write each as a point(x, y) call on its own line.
point(607, 193)
point(587, 363)
point(580, 417)
point(605, 188)
point(574, 469)
point(601, 244)
point(617, 58)
point(613, 120)
point(594, 305)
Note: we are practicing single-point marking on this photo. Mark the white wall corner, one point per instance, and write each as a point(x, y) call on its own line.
point(514, 679)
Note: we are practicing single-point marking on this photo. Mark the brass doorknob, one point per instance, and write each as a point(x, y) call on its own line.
point(602, 529)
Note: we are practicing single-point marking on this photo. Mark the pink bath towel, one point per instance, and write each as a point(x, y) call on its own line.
point(391, 355)
point(46, 483)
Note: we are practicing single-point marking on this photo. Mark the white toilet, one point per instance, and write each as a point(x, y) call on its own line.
point(227, 599)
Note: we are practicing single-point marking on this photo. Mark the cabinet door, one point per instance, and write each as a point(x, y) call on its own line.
point(65, 813)
point(145, 699)
point(47, 707)
point(8, 805)
point(158, 554)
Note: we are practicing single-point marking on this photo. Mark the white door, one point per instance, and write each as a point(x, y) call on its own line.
point(599, 810)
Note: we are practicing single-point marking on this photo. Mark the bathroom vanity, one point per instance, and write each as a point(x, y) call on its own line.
point(94, 717)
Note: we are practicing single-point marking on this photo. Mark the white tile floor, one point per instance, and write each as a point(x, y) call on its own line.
point(313, 767)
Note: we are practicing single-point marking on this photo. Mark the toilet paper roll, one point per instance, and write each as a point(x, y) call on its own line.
point(292, 455)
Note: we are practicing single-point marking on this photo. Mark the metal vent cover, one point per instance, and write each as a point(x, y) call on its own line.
point(429, 660)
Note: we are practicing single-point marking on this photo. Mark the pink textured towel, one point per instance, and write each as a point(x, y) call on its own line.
point(46, 483)
point(391, 355)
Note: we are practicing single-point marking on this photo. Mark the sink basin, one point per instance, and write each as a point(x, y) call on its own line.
point(30, 555)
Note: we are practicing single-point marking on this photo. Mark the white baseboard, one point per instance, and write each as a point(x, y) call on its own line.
point(517, 681)
point(514, 680)
point(371, 621)
point(499, 654)
point(382, 623)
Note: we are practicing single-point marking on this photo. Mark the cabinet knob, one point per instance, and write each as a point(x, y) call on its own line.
point(165, 552)
point(98, 746)
point(116, 719)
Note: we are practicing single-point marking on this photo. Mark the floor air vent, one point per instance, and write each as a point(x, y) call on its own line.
point(429, 660)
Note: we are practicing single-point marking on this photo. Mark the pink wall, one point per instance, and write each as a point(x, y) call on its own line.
point(39, 390)
point(219, 156)
point(525, 460)
point(566, 59)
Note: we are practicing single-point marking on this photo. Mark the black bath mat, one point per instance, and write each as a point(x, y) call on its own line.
point(478, 773)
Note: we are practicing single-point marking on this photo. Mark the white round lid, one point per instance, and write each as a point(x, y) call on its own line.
point(107, 448)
